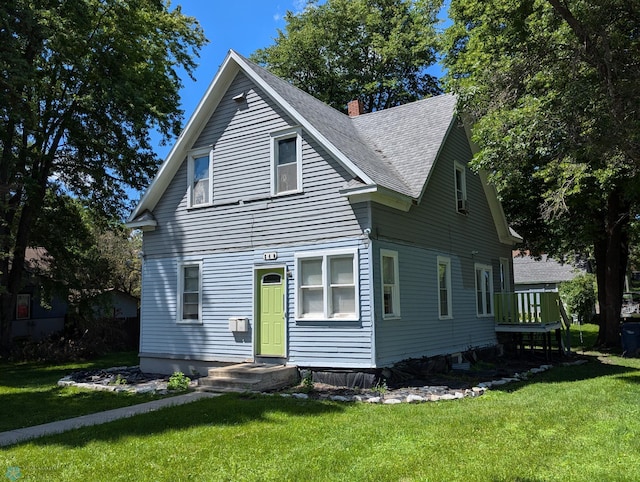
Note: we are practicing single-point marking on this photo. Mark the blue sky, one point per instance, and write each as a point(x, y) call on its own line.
point(241, 25)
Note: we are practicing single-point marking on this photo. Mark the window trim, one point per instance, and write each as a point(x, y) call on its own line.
point(191, 157)
point(275, 138)
point(180, 292)
point(489, 269)
point(461, 203)
point(395, 287)
point(325, 256)
point(443, 260)
point(26, 301)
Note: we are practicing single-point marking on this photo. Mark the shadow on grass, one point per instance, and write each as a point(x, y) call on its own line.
point(35, 374)
point(224, 410)
point(34, 407)
point(596, 366)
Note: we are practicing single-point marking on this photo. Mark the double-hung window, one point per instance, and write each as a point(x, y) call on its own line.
point(200, 169)
point(286, 162)
point(505, 275)
point(444, 288)
point(390, 284)
point(190, 292)
point(327, 285)
point(484, 290)
point(460, 180)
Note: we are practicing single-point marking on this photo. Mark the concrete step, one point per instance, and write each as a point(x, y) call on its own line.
point(249, 377)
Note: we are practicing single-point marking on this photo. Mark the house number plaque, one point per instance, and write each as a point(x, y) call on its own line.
point(270, 256)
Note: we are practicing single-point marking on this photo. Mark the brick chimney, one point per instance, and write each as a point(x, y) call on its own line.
point(355, 108)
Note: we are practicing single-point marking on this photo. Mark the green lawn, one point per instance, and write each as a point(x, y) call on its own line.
point(29, 394)
point(577, 423)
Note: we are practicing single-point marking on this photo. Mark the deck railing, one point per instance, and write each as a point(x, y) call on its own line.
point(529, 307)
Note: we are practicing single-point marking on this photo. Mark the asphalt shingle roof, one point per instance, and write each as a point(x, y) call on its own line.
point(395, 147)
point(526, 270)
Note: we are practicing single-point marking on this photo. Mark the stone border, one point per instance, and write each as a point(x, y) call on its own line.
point(427, 393)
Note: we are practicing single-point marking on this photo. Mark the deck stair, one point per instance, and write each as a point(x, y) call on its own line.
point(249, 377)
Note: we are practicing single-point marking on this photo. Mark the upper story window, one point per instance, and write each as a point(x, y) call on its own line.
point(444, 288)
point(200, 189)
point(286, 162)
point(484, 290)
point(190, 292)
point(461, 188)
point(390, 284)
point(327, 285)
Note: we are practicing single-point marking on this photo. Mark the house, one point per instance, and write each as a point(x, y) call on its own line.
point(279, 229)
point(36, 318)
point(543, 274)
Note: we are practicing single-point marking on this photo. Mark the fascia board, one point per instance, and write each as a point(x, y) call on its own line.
point(192, 130)
point(302, 121)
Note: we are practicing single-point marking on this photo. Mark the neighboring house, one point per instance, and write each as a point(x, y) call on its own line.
point(35, 319)
point(544, 274)
point(279, 229)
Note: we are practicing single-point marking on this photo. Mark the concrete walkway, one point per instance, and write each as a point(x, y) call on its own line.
point(22, 434)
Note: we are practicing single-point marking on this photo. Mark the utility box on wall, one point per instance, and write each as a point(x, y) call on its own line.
point(239, 324)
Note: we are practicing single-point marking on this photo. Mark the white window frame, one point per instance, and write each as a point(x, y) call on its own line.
point(395, 287)
point(505, 275)
point(276, 137)
point(325, 257)
point(461, 202)
point(442, 260)
point(481, 291)
point(191, 157)
point(180, 293)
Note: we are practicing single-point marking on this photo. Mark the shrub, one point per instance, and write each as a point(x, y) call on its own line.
point(579, 296)
point(178, 382)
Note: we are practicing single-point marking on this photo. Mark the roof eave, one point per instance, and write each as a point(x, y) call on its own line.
point(380, 195)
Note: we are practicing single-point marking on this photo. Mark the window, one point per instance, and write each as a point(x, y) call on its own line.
point(23, 307)
point(327, 285)
point(461, 188)
point(484, 290)
point(444, 288)
point(190, 293)
point(505, 275)
point(390, 284)
point(200, 178)
point(286, 159)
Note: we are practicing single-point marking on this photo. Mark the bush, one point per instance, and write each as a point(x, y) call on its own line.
point(579, 296)
point(178, 382)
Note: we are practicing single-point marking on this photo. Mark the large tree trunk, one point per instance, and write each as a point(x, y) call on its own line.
point(612, 253)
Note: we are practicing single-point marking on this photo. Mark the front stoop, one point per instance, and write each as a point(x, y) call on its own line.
point(250, 377)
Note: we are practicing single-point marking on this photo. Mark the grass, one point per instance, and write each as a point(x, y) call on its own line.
point(570, 423)
point(29, 394)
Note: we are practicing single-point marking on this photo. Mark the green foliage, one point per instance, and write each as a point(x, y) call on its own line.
point(178, 382)
point(579, 296)
point(549, 88)
point(307, 382)
point(375, 51)
point(84, 84)
point(380, 387)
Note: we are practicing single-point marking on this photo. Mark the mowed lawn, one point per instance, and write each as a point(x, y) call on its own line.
point(577, 423)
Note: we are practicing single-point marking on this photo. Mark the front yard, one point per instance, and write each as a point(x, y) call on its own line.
point(570, 423)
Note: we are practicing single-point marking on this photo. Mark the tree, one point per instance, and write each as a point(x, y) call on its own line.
point(376, 51)
point(551, 88)
point(82, 83)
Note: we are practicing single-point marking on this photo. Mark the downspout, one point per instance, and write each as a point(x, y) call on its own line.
point(372, 308)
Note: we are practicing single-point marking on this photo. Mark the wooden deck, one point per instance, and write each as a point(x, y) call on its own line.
point(529, 319)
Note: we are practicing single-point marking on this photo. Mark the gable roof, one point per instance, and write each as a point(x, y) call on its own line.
point(528, 270)
point(383, 150)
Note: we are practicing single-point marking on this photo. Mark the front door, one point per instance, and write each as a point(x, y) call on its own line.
point(270, 310)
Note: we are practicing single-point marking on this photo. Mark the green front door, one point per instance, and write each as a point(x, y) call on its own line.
point(270, 309)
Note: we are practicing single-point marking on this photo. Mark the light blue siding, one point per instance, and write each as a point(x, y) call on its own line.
point(230, 237)
point(432, 229)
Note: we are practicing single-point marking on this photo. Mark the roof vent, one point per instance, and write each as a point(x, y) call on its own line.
point(355, 108)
